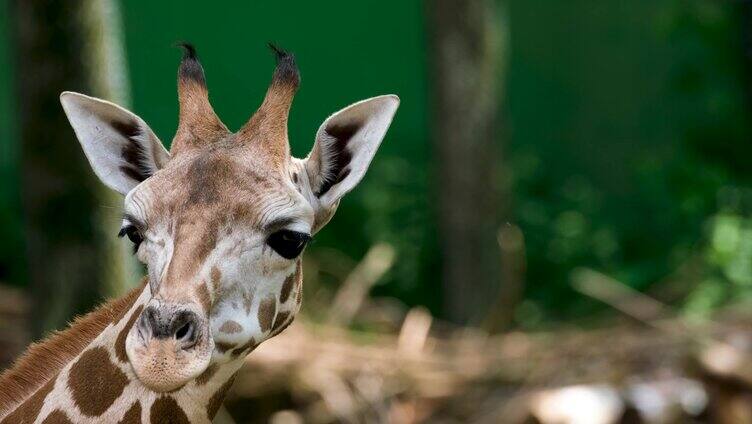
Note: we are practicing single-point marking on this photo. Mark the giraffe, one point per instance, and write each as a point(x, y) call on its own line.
point(220, 221)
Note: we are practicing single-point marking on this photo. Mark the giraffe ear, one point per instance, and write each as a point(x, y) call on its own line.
point(345, 144)
point(121, 148)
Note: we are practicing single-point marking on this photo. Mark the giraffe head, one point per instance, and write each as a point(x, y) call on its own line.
point(222, 218)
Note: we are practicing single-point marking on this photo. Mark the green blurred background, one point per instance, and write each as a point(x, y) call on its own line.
point(623, 138)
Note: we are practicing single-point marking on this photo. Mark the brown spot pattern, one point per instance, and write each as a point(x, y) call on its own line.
point(231, 327)
point(207, 375)
point(120, 341)
point(95, 382)
point(223, 347)
point(266, 311)
point(247, 302)
point(204, 297)
point(27, 412)
point(216, 276)
point(166, 410)
point(287, 288)
point(132, 415)
point(57, 417)
point(242, 349)
point(283, 328)
point(280, 320)
point(299, 283)
point(216, 400)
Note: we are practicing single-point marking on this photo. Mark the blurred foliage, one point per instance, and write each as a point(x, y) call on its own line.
point(655, 174)
point(11, 245)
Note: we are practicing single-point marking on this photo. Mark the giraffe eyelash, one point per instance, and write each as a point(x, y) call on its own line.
point(133, 233)
point(287, 243)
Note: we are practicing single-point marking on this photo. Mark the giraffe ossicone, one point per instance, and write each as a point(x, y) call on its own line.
point(220, 220)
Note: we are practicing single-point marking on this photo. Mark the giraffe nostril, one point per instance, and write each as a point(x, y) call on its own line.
point(148, 324)
point(181, 325)
point(185, 331)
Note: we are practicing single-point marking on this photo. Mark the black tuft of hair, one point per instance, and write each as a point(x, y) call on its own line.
point(189, 51)
point(286, 71)
point(190, 67)
point(280, 53)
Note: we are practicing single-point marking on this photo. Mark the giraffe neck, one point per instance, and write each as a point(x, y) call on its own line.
point(97, 384)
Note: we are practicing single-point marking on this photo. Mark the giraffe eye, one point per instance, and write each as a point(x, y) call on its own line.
point(288, 243)
point(133, 234)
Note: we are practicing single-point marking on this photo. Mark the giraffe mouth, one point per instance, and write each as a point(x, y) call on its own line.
point(169, 346)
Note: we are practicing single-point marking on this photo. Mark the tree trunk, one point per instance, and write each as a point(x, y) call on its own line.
point(466, 42)
point(73, 260)
point(744, 10)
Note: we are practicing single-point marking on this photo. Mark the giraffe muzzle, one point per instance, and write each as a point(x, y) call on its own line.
point(169, 346)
